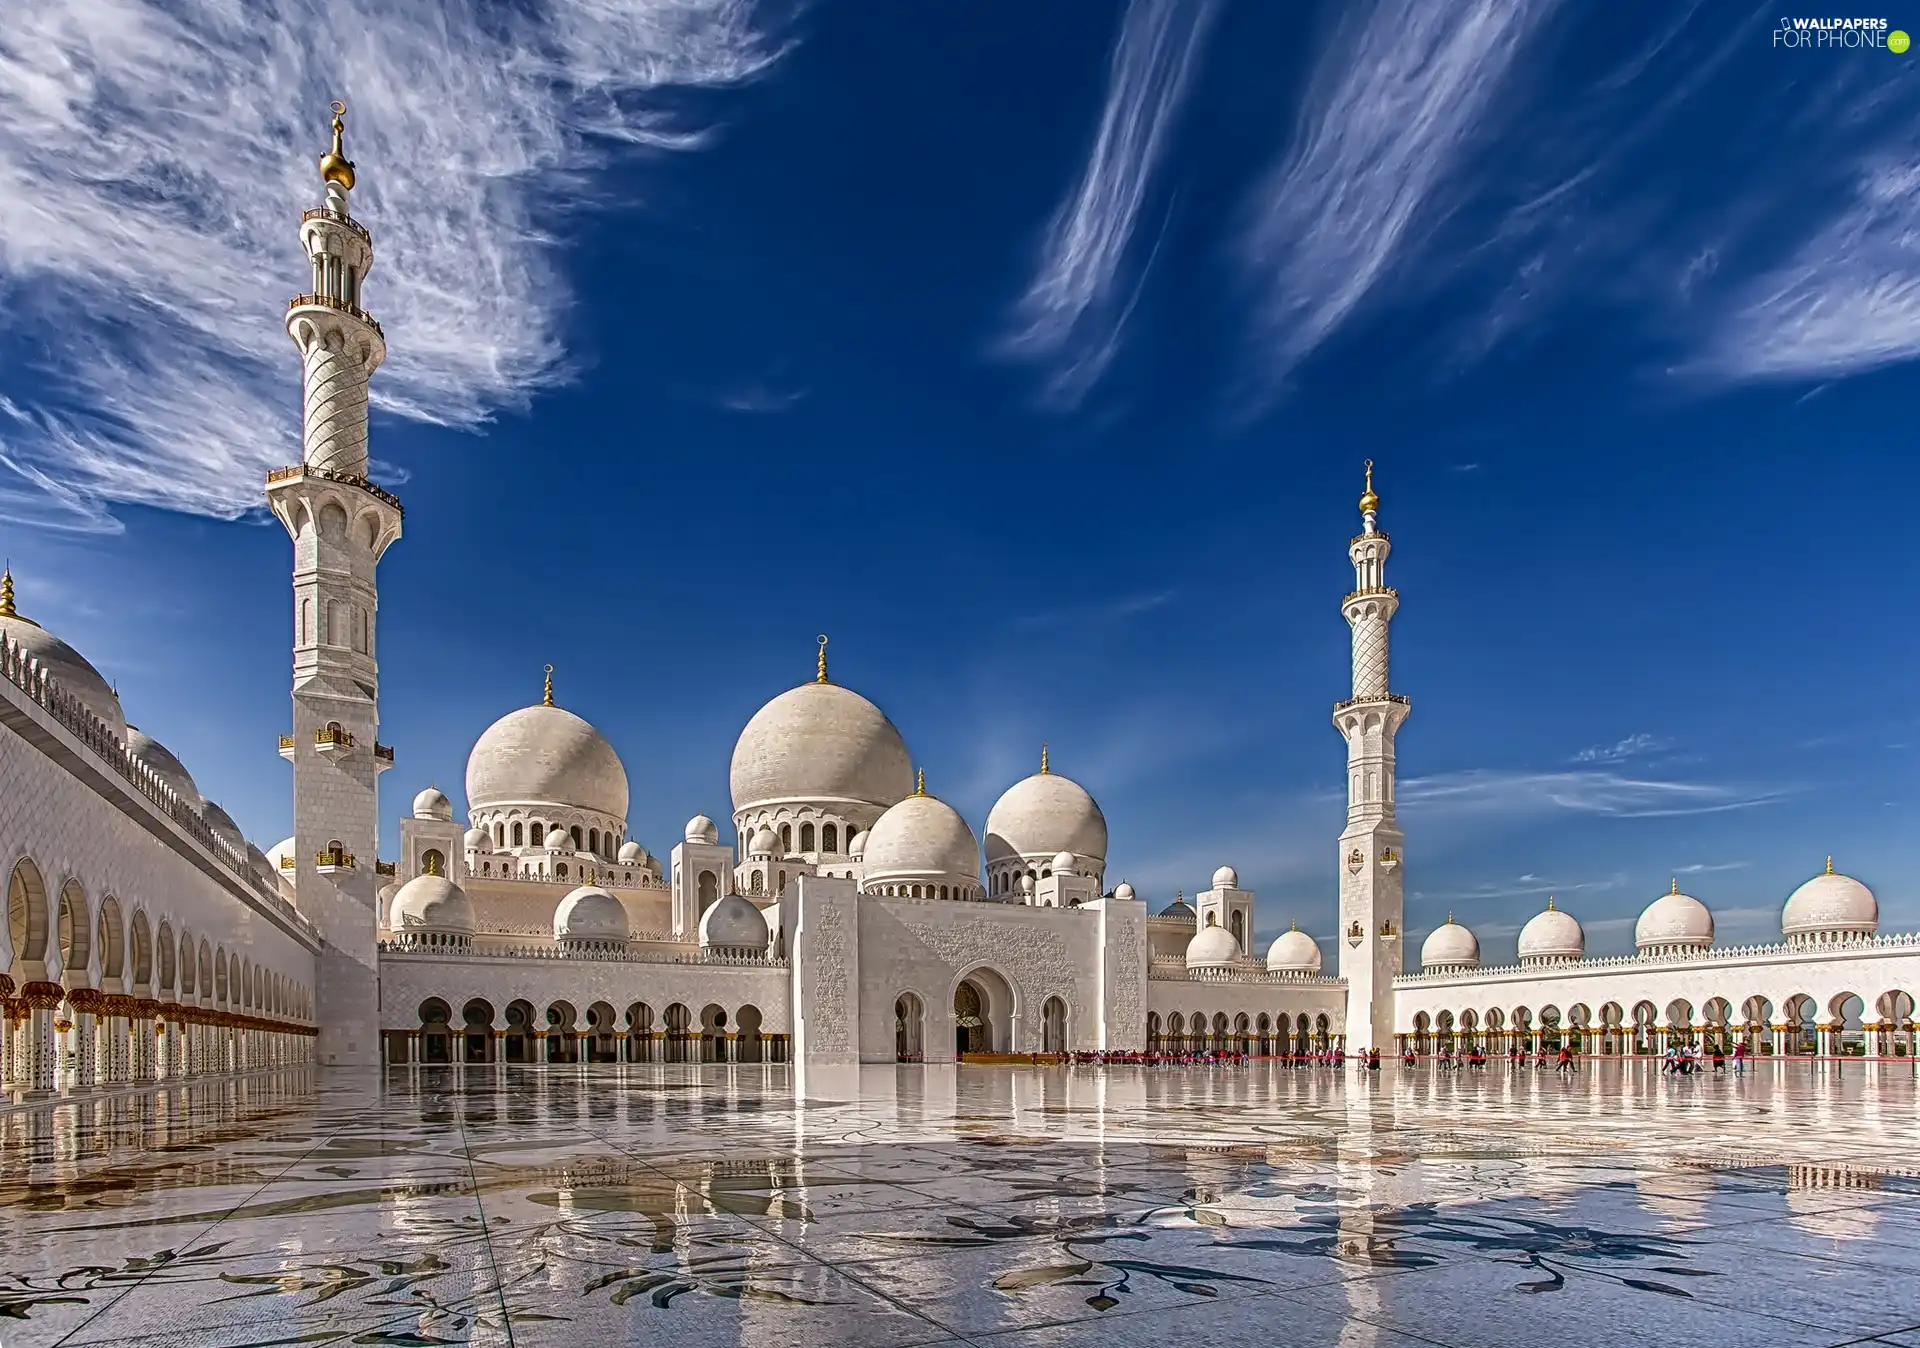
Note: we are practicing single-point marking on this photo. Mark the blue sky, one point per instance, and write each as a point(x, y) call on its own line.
point(1032, 352)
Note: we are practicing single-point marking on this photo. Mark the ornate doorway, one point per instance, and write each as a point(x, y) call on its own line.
point(970, 1032)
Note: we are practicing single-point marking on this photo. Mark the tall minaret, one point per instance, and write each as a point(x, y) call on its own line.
point(340, 524)
point(1370, 846)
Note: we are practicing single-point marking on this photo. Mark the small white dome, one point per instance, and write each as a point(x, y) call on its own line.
point(478, 840)
point(765, 842)
point(857, 846)
point(733, 924)
point(701, 829)
point(1042, 815)
point(222, 825)
point(1294, 952)
point(589, 913)
point(1226, 878)
point(1123, 890)
point(164, 765)
point(631, 853)
point(1026, 883)
point(1674, 920)
point(1452, 946)
point(432, 804)
point(1552, 935)
point(922, 838)
point(68, 669)
point(1830, 905)
point(561, 840)
point(1212, 948)
point(431, 903)
point(1062, 863)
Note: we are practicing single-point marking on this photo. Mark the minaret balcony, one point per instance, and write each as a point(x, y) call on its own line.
point(382, 756)
point(334, 217)
point(331, 741)
point(299, 472)
point(333, 859)
point(289, 863)
point(386, 868)
point(1400, 699)
point(339, 306)
point(1371, 592)
point(286, 747)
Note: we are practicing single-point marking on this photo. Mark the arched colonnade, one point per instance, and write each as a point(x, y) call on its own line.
point(473, 1030)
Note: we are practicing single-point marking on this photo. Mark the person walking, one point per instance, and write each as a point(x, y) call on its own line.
point(1565, 1066)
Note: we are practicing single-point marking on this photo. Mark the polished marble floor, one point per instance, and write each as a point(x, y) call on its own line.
point(1014, 1207)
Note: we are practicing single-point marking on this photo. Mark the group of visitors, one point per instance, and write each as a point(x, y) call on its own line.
point(1562, 1060)
point(1684, 1060)
point(1325, 1057)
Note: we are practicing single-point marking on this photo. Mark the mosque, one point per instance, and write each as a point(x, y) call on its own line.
point(852, 917)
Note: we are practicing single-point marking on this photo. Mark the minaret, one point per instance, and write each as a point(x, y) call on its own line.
point(1370, 846)
point(340, 524)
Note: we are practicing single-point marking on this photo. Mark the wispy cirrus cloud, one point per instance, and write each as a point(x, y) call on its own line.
point(1636, 745)
point(1846, 301)
point(1074, 309)
point(1389, 108)
point(1501, 793)
point(153, 163)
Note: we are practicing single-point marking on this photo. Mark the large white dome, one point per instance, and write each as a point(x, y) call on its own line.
point(1830, 905)
point(1552, 936)
point(165, 766)
point(1212, 948)
point(1294, 952)
point(922, 838)
point(820, 743)
point(1674, 921)
point(733, 924)
point(431, 903)
point(64, 665)
point(1044, 814)
point(1452, 946)
point(589, 913)
point(546, 756)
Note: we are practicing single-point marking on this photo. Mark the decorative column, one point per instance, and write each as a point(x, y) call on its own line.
point(141, 1037)
point(733, 1047)
point(41, 1065)
point(87, 1005)
point(1371, 846)
point(7, 1014)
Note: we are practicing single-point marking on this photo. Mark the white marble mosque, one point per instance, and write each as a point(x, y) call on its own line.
point(844, 914)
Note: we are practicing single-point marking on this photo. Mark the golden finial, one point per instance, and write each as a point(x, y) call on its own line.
point(335, 167)
point(6, 593)
point(433, 862)
point(920, 782)
point(820, 676)
point(8, 601)
point(546, 698)
point(1293, 926)
point(1449, 917)
point(1550, 907)
point(1676, 886)
point(1368, 501)
point(1044, 769)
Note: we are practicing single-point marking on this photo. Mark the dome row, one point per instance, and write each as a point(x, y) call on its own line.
point(819, 744)
point(1829, 907)
point(587, 918)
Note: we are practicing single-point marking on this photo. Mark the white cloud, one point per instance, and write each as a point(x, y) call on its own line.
point(1388, 110)
point(1847, 300)
point(153, 164)
point(1514, 794)
point(1074, 309)
point(1633, 746)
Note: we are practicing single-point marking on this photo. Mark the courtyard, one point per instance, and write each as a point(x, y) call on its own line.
point(756, 1204)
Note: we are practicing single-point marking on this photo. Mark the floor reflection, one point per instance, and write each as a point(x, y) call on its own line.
point(747, 1206)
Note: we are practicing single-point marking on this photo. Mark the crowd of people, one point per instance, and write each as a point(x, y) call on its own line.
point(1324, 1057)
